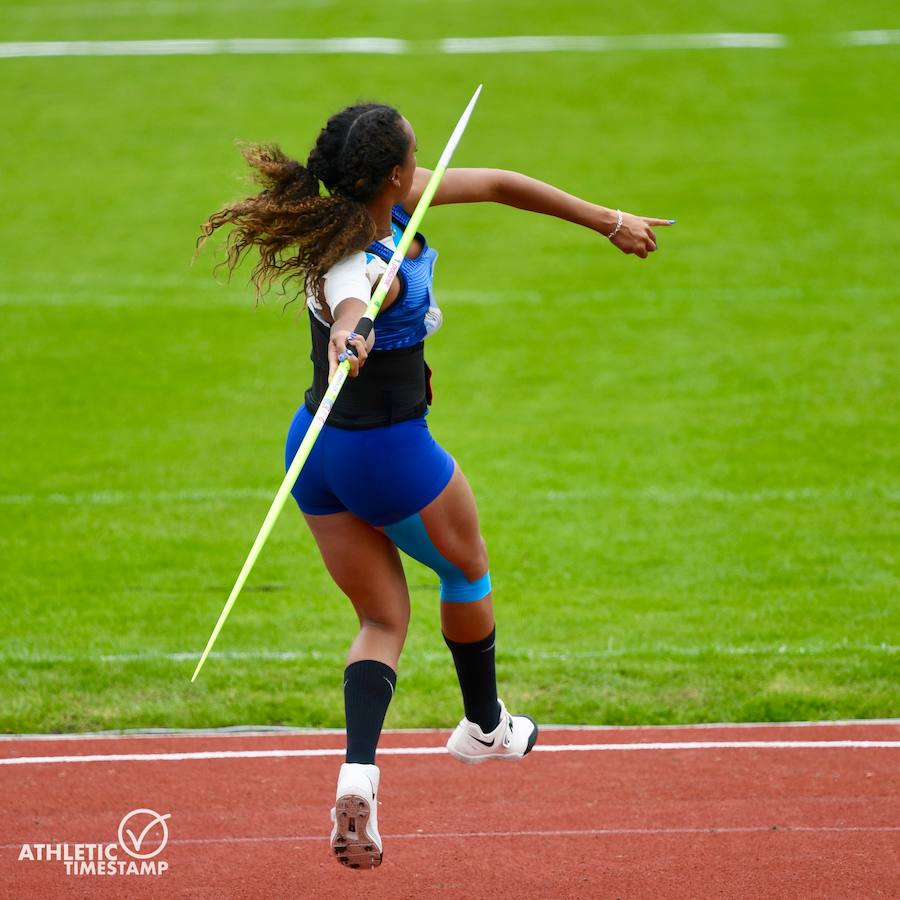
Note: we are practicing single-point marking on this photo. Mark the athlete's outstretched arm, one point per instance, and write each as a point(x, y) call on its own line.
point(514, 189)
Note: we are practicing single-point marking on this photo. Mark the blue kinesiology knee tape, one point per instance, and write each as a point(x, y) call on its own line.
point(411, 536)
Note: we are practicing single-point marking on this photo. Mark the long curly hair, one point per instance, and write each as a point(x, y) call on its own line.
point(309, 217)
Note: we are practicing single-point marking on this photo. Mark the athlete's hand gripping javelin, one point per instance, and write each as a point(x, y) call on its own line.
point(347, 344)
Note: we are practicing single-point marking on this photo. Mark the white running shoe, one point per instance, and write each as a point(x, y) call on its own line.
point(355, 840)
point(511, 739)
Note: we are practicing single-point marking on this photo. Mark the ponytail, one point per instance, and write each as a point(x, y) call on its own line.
point(298, 232)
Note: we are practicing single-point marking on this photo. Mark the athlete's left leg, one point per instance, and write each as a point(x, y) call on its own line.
point(445, 535)
point(467, 610)
point(451, 521)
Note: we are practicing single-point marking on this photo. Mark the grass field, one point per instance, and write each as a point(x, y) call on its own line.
point(687, 468)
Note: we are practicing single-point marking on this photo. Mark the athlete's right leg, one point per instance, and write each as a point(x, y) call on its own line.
point(362, 561)
point(366, 567)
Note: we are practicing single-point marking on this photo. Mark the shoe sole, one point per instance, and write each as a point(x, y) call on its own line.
point(351, 843)
point(473, 760)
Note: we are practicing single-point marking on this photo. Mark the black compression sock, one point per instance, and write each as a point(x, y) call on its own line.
point(368, 688)
point(477, 680)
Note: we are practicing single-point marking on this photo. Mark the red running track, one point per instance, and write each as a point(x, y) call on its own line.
point(714, 811)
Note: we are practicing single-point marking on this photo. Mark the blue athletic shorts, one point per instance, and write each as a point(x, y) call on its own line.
point(382, 474)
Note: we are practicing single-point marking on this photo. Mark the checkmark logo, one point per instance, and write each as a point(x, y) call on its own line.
point(142, 822)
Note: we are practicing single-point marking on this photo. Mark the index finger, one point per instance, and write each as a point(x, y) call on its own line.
point(650, 221)
point(358, 345)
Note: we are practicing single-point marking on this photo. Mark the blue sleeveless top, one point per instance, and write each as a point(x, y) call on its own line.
point(402, 324)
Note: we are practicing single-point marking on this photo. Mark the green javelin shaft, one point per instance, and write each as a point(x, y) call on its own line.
point(363, 328)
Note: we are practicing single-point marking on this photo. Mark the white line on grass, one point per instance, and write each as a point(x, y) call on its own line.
point(268, 731)
point(107, 498)
point(690, 494)
point(389, 46)
point(654, 493)
point(433, 751)
point(605, 43)
point(138, 291)
point(877, 38)
point(453, 46)
point(509, 654)
point(513, 653)
point(208, 47)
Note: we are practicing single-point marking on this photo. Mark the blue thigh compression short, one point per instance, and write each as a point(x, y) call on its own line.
point(384, 476)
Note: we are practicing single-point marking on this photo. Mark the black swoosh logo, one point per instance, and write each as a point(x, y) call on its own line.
point(484, 743)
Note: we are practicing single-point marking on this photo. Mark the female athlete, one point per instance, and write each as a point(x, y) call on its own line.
point(376, 480)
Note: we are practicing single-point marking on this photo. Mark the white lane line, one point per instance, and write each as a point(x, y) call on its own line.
point(268, 731)
point(654, 494)
point(509, 654)
point(207, 47)
point(444, 835)
point(96, 292)
point(513, 653)
point(415, 836)
point(602, 43)
point(396, 47)
point(110, 498)
point(719, 745)
point(431, 751)
point(877, 38)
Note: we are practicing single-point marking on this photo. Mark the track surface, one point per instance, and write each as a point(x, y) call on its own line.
point(762, 819)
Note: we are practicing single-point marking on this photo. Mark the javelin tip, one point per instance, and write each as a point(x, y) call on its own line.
point(444, 161)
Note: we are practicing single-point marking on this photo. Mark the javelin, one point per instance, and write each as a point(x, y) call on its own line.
point(363, 329)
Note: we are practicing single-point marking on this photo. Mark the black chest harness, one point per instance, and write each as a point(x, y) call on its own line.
point(392, 386)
